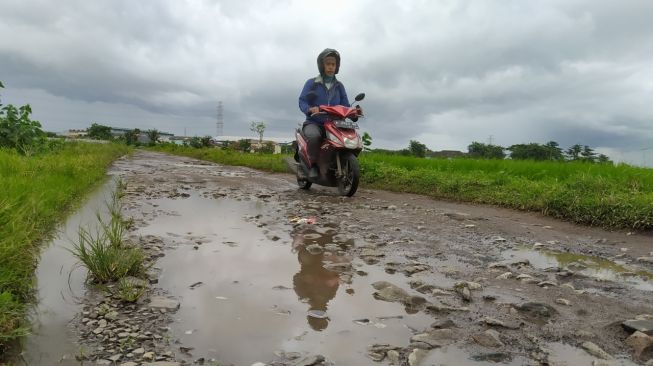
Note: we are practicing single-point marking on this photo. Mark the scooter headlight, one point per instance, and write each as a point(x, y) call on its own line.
point(351, 143)
point(333, 137)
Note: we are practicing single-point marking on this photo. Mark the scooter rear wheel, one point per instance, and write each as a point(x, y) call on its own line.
point(303, 183)
point(348, 183)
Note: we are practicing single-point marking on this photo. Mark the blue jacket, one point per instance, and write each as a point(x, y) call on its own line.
point(334, 96)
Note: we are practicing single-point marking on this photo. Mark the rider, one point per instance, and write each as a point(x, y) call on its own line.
point(328, 91)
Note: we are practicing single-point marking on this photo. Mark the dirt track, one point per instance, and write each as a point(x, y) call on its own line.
point(264, 272)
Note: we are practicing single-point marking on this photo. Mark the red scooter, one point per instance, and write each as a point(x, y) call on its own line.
point(336, 159)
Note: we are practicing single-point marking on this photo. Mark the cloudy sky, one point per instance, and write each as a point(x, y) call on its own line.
point(444, 72)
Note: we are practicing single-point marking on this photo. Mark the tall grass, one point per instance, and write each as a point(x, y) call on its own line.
point(35, 194)
point(610, 196)
point(265, 162)
point(104, 253)
point(618, 196)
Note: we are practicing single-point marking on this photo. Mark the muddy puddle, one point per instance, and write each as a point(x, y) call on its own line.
point(248, 294)
point(60, 287)
point(598, 268)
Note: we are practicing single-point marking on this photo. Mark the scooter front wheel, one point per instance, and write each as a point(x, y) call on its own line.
point(302, 182)
point(348, 183)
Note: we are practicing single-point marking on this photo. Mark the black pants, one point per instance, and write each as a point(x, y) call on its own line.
point(314, 134)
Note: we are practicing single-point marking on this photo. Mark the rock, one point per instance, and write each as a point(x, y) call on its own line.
point(162, 363)
point(338, 267)
point(375, 356)
point(496, 322)
point(115, 358)
point(644, 326)
point(465, 293)
point(523, 276)
point(443, 324)
point(139, 351)
point(389, 292)
point(640, 342)
point(310, 361)
point(314, 249)
point(148, 356)
point(371, 253)
point(563, 302)
point(645, 260)
point(595, 351)
point(102, 323)
point(547, 284)
point(160, 302)
point(537, 309)
point(471, 285)
point(393, 357)
point(489, 338)
point(415, 358)
point(98, 330)
point(436, 337)
point(130, 363)
point(435, 308)
point(504, 276)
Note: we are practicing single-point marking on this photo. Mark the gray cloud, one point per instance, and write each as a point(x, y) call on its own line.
point(446, 73)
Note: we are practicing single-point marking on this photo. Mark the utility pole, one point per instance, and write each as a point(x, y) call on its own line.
point(219, 125)
point(644, 150)
point(490, 140)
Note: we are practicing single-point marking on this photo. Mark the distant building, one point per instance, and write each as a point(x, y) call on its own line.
point(255, 144)
point(75, 134)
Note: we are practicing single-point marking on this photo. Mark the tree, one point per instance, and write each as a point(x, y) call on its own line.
point(588, 154)
point(603, 159)
point(131, 136)
point(206, 141)
point(18, 131)
point(417, 148)
point(99, 132)
point(153, 135)
point(554, 151)
point(367, 140)
point(259, 128)
point(485, 151)
point(244, 145)
point(573, 152)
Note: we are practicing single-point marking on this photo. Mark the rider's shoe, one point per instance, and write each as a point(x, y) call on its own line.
point(313, 173)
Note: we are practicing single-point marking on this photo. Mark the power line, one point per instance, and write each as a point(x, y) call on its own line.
point(220, 120)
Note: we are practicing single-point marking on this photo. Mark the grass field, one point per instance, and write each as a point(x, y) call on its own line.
point(37, 193)
point(592, 194)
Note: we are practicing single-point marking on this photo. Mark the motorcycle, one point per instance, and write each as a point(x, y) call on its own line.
point(337, 160)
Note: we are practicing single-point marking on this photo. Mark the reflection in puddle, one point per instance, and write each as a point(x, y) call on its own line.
point(314, 284)
point(245, 311)
point(588, 265)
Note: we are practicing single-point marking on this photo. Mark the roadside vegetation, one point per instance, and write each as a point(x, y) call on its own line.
point(41, 180)
point(575, 185)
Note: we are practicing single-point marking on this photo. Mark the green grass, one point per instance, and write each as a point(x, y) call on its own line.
point(265, 162)
point(592, 194)
point(37, 193)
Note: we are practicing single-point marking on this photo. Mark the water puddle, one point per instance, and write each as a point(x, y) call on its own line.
point(258, 296)
point(590, 266)
point(566, 355)
point(58, 289)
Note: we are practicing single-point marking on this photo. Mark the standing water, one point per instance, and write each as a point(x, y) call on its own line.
point(60, 282)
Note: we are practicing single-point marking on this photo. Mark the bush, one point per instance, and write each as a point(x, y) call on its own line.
point(18, 131)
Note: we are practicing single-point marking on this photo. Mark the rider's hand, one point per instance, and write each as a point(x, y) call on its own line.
point(313, 110)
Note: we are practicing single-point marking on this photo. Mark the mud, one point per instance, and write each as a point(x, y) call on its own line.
point(266, 273)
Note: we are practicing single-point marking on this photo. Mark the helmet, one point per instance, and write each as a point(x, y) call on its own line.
point(323, 55)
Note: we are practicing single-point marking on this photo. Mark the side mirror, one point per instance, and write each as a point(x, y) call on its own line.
point(311, 96)
point(360, 97)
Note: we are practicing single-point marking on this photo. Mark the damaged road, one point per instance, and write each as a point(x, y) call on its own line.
point(249, 270)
